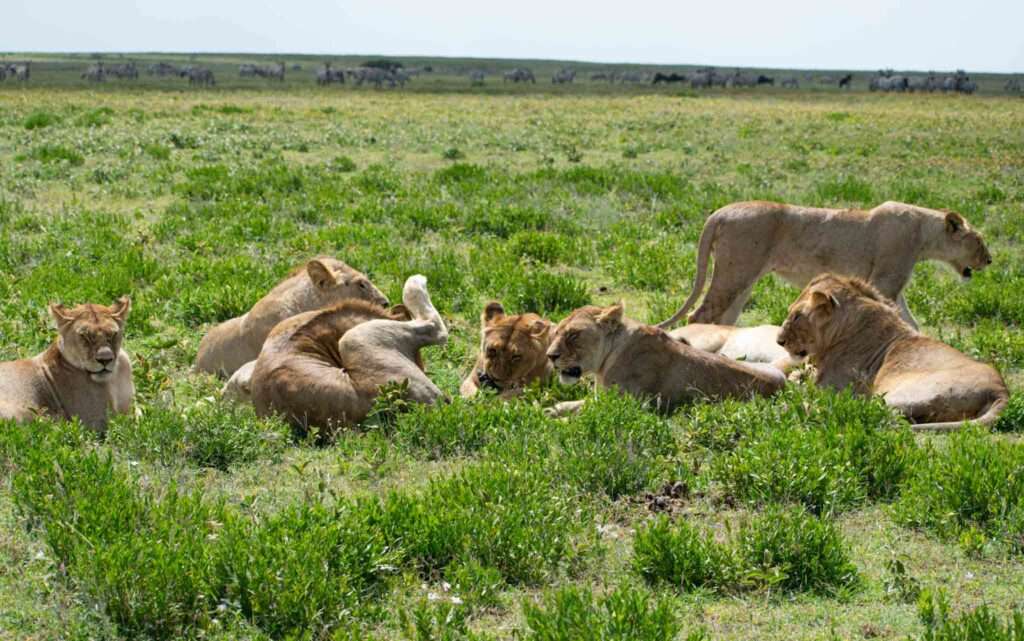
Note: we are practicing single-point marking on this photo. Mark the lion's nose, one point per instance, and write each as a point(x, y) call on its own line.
point(104, 356)
point(988, 261)
point(553, 356)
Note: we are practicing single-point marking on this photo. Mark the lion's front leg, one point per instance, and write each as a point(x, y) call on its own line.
point(122, 387)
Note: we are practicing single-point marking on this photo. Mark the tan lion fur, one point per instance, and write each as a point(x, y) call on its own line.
point(854, 337)
point(320, 282)
point(85, 373)
point(644, 361)
point(751, 239)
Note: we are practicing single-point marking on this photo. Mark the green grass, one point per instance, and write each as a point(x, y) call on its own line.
point(784, 550)
point(194, 519)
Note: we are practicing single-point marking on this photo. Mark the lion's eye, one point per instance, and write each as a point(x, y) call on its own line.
point(572, 336)
point(362, 284)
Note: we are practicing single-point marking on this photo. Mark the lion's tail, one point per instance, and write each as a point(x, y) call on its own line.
point(707, 240)
point(987, 419)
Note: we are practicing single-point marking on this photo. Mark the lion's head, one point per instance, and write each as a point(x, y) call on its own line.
point(962, 247)
point(825, 309)
point(579, 342)
point(511, 347)
point(91, 336)
point(335, 281)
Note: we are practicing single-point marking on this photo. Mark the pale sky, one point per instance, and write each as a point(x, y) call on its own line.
point(977, 35)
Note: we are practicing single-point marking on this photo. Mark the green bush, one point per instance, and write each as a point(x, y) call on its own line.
point(514, 520)
point(971, 489)
point(1012, 418)
point(679, 555)
point(626, 614)
point(218, 435)
point(980, 624)
point(829, 451)
point(783, 549)
point(39, 119)
point(164, 565)
point(790, 550)
point(48, 154)
point(96, 117)
point(157, 151)
point(342, 164)
point(463, 427)
point(615, 446)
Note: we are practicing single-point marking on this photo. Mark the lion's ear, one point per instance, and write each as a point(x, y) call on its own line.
point(119, 310)
point(822, 301)
point(60, 315)
point(319, 274)
point(954, 222)
point(539, 328)
point(493, 311)
point(400, 312)
point(611, 315)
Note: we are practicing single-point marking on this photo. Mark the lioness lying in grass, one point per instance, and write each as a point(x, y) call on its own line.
point(644, 361)
point(855, 337)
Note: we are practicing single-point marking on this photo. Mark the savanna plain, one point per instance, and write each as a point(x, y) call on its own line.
point(810, 515)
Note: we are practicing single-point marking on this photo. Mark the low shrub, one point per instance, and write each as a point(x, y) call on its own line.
point(306, 568)
point(783, 549)
point(95, 117)
point(1012, 418)
point(980, 624)
point(463, 427)
point(828, 451)
point(49, 154)
point(616, 446)
point(626, 614)
point(679, 555)
point(970, 489)
point(790, 550)
point(39, 119)
point(217, 435)
point(514, 520)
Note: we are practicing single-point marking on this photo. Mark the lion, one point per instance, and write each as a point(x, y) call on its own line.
point(751, 344)
point(881, 246)
point(85, 373)
point(855, 337)
point(644, 361)
point(322, 281)
point(513, 352)
point(325, 368)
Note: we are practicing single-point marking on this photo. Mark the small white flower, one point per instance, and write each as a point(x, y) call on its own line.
point(456, 600)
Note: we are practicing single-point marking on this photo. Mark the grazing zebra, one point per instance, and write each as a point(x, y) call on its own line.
point(563, 76)
point(790, 83)
point(122, 71)
point(94, 73)
point(700, 79)
point(162, 69)
point(247, 71)
point(326, 75)
point(1013, 85)
point(19, 71)
point(199, 76)
point(275, 71)
point(738, 79)
point(519, 74)
point(476, 78)
point(631, 76)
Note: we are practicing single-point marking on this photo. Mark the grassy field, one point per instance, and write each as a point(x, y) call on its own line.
point(807, 516)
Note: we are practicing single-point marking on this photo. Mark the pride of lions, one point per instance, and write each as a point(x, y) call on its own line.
point(319, 347)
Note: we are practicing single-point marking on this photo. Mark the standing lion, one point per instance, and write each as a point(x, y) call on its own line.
point(881, 246)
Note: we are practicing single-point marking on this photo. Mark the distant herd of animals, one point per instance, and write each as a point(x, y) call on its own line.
point(393, 75)
point(320, 346)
